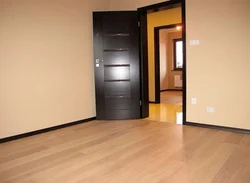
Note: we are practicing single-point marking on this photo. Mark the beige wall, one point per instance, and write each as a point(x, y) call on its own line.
point(170, 59)
point(131, 4)
point(218, 69)
point(167, 72)
point(46, 70)
point(46, 55)
point(156, 19)
point(163, 41)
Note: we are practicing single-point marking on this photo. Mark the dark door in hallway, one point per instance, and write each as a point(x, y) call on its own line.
point(117, 71)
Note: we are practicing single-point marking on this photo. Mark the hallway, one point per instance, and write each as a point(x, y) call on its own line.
point(170, 108)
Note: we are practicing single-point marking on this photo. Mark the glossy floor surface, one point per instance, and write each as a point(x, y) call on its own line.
point(170, 108)
point(139, 151)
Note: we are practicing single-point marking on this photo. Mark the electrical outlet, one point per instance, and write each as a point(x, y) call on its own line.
point(194, 100)
point(211, 109)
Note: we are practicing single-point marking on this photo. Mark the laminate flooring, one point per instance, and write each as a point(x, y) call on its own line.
point(134, 151)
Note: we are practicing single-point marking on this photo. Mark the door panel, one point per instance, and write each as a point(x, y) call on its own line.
point(117, 73)
point(117, 88)
point(118, 26)
point(117, 114)
point(117, 57)
point(114, 42)
point(118, 103)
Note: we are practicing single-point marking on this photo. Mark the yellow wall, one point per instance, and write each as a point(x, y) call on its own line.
point(218, 69)
point(46, 63)
point(167, 17)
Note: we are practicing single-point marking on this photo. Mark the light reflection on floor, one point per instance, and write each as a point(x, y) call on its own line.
point(170, 109)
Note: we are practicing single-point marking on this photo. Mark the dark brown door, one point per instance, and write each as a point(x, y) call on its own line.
point(117, 71)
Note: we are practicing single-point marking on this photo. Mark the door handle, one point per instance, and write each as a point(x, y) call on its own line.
point(97, 61)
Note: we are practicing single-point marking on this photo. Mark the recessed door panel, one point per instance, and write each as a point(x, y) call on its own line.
point(116, 26)
point(116, 57)
point(117, 114)
point(119, 88)
point(118, 103)
point(115, 43)
point(116, 73)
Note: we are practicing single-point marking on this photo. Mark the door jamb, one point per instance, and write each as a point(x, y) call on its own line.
point(142, 12)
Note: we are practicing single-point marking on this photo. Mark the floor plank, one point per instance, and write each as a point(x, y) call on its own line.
point(128, 151)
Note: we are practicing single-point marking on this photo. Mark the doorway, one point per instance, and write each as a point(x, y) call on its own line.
point(168, 74)
point(168, 98)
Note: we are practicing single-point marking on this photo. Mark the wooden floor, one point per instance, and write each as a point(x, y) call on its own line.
point(139, 151)
point(169, 109)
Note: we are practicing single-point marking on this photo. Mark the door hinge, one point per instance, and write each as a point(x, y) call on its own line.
point(139, 24)
point(140, 103)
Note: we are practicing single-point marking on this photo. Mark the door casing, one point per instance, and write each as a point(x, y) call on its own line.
point(144, 51)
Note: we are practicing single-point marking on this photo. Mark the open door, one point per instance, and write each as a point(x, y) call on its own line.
point(117, 65)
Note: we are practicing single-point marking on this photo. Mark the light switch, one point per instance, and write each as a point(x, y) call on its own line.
point(194, 100)
point(194, 42)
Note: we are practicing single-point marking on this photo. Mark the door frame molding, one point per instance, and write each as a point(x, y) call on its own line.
point(157, 59)
point(142, 13)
